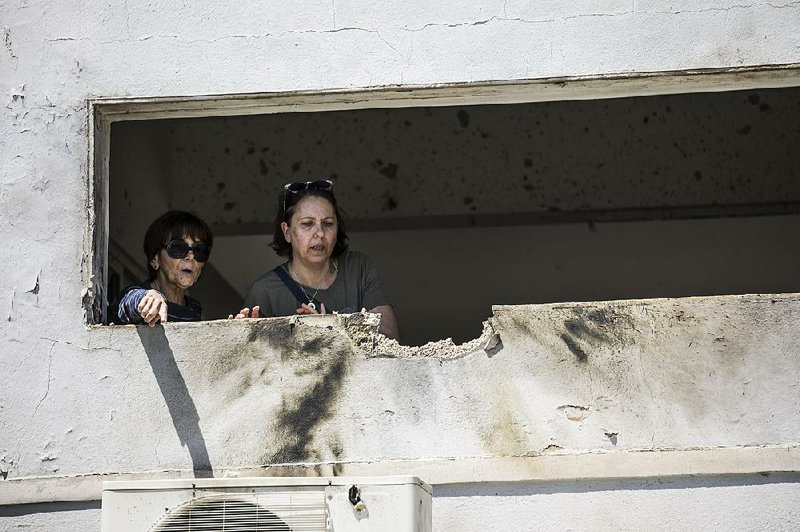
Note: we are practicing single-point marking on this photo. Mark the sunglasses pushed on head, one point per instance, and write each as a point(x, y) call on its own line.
point(300, 187)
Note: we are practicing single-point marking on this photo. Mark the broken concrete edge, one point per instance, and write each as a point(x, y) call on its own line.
point(721, 300)
point(445, 349)
point(360, 327)
point(542, 467)
point(375, 344)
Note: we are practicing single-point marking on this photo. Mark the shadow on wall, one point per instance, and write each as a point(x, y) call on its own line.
point(17, 510)
point(176, 394)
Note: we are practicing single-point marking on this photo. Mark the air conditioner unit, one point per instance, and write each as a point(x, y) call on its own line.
point(295, 504)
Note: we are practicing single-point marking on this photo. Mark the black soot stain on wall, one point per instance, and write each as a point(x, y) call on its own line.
point(588, 327)
point(274, 331)
point(336, 449)
point(575, 348)
point(297, 421)
point(282, 335)
point(312, 352)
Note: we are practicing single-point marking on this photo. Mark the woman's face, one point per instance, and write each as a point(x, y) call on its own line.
point(312, 230)
point(177, 273)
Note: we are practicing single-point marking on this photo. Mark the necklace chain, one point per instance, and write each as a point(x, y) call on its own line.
point(311, 298)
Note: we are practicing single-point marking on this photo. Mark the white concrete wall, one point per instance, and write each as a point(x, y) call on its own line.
point(77, 401)
point(749, 503)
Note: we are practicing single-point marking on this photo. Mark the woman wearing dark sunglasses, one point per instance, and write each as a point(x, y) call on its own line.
point(321, 275)
point(177, 245)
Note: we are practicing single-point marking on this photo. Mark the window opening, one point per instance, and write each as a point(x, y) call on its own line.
point(466, 206)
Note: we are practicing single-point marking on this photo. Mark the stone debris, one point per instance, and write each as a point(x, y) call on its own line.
point(385, 347)
point(362, 329)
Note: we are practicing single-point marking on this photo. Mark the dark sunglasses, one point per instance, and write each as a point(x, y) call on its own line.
point(178, 249)
point(302, 186)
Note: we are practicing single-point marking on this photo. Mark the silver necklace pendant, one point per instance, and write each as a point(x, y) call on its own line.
point(312, 305)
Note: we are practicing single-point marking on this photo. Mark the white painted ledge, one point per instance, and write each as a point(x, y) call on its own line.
point(442, 471)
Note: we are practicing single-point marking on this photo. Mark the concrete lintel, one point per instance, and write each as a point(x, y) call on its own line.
point(610, 85)
point(443, 471)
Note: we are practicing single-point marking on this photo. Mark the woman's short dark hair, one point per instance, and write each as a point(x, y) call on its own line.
point(171, 225)
point(287, 205)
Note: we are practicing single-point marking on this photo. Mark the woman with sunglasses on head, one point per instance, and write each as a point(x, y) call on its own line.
point(321, 275)
point(177, 245)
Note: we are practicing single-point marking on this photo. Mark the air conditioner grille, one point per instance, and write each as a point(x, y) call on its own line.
point(257, 512)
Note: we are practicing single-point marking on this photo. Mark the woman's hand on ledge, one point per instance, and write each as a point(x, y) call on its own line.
point(153, 307)
point(246, 313)
point(305, 309)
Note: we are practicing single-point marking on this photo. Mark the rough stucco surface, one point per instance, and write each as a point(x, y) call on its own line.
point(84, 401)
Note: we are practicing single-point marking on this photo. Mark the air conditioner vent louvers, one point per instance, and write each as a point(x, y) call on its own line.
point(257, 512)
point(277, 504)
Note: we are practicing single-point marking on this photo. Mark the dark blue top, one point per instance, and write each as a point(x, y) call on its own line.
point(129, 300)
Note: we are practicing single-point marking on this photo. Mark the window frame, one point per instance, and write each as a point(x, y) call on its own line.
point(103, 112)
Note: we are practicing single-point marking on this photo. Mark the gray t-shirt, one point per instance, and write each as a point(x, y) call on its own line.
point(356, 286)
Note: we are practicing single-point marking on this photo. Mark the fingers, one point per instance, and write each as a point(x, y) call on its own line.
point(151, 316)
point(148, 309)
point(256, 311)
point(322, 308)
point(245, 313)
point(305, 309)
point(152, 308)
point(155, 312)
point(162, 312)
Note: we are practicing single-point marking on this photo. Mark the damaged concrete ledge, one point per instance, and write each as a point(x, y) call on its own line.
point(693, 386)
point(654, 463)
point(579, 320)
point(362, 329)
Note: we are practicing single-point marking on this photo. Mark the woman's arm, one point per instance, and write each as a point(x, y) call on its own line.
point(388, 326)
point(138, 305)
point(127, 311)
